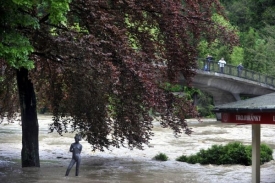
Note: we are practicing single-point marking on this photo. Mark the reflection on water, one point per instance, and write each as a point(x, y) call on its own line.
point(126, 166)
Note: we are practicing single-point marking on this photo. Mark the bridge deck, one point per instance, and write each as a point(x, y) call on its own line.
point(231, 70)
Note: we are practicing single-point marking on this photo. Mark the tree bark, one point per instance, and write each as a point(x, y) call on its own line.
point(30, 129)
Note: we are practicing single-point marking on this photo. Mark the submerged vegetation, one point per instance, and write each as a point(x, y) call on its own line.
point(232, 153)
point(161, 157)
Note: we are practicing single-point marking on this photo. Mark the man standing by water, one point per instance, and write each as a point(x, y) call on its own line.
point(221, 63)
point(76, 149)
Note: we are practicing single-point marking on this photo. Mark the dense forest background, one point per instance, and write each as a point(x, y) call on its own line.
point(254, 22)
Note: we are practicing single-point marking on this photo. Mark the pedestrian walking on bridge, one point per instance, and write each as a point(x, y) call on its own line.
point(222, 63)
point(240, 69)
point(209, 59)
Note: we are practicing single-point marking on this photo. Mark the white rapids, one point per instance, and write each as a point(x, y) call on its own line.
point(132, 166)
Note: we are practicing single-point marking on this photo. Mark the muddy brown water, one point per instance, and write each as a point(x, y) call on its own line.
point(132, 166)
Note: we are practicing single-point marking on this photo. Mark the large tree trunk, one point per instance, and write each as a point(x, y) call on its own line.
point(30, 147)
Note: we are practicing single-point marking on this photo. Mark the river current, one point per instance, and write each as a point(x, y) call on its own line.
point(132, 166)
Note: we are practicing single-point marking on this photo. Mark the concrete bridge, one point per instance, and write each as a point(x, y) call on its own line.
point(230, 85)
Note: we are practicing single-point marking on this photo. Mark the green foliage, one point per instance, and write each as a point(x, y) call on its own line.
point(190, 92)
point(255, 20)
point(173, 87)
point(266, 153)
point(143, 27)
point(16, 49)
point(232, 153)
point(183, 158)
point(58, 10)
point(258, 53)
point(223, 22)
point(252, 19)
point(218, 48)
point(25, 3)
point(237, 55)
point(161, 157)
point(239, 12)
point(268, 15)
point(203, 48)
point(249, 13)
point(202, 100)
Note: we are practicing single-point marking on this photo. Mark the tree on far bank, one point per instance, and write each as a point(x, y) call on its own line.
point(100, 68)
point(255, 20)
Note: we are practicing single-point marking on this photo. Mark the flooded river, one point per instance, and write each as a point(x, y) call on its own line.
point(136, 166)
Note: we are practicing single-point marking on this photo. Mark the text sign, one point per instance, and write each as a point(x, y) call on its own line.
point(249, 118)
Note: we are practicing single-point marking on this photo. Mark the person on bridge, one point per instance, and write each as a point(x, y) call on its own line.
point(240, 69)
point(222, 63)
point(209, 59)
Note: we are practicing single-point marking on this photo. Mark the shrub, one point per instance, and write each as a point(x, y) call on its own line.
point(232, 153)
point(266, 153)
point(161, 157)
point(182, 158)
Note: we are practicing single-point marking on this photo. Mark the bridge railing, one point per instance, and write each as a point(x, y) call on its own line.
point(231, 70)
